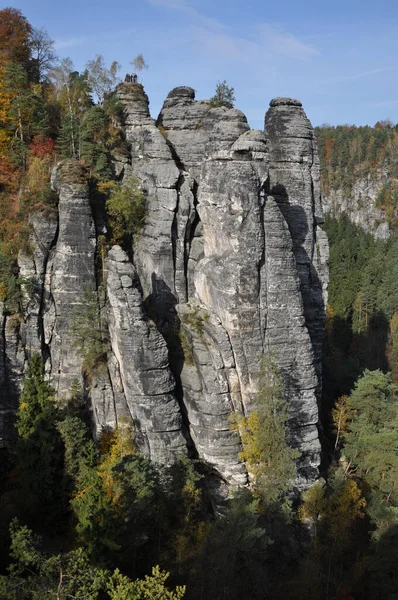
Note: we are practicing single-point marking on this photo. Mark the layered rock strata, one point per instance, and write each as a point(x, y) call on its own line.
point(360, 206)
point(141, 354)
point(294, 180)
point(231, 265)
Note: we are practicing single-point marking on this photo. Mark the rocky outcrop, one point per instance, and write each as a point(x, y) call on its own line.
point(195, 129)
point(294, 181)
point(141, 354)
point(231, 265)
point(360, 206)
point(151, 161)
point(69, 274)
point(248, 280)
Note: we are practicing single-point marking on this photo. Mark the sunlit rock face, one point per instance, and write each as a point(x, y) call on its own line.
point(361, 205)
point(231, 265)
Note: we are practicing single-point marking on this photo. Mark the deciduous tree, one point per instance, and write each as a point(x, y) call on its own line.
point(101, 78)
point(43, 54)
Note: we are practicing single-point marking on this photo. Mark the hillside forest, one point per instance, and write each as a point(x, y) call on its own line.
point(89, 518)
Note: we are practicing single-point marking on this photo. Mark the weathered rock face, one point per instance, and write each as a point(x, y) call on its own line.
point(151, 161)
point(141, 354)
point(295, 183)
point(248, 279)
point(69, 274)
point(360, 206)
point(231, 265)
point(196, 129)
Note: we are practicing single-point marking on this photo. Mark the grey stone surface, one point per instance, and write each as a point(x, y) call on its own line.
point(69, 274)
point(196, 130)
point(360, 205)
point(32, 267)
point(231, 263)
point(248, 279)
point(295, 184)
point(141, 355)
point(151, 161)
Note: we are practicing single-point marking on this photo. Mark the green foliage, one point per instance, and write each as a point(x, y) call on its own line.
point(231, 562)
point(27, 114)
point(351, 253)
point(265, 450)
point(151, 588)
point(100, 78)
point(116, 500)
point(87, 332)
point(79, 449)
point(349, 152)
point(67, 142)
point(387, 200)
point(363, 298)
point(333, 511)
point(371, 444)
point(224, 95)
point(99, 136)
point(195, 319)
point(37, 399)
point(73, 97)
point(186, 347)
point(93, 136)
point(39, 446)
point(34, 576)
point(12, 287)
point(126, 209)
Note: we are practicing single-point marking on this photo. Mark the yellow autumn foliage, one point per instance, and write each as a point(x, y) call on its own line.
point(115, 445)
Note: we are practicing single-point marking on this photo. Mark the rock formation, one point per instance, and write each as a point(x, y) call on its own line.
point(360, 205)
point(231, 265)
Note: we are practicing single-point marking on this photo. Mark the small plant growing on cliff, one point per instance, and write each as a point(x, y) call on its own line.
point(186, 347)
point(12, 287)
point(269, 458)
point(126, 209)
point(195, 320)
point(87, 333)
point(223, 96)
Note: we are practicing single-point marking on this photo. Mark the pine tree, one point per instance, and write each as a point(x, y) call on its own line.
point(371, 444)
point(126, 209)
point(265, 449)
point(39, 447)
point(223, 96)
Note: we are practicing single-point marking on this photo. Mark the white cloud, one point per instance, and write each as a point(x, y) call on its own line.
point(259, 50)
point(266, 39)
point(283, 43)
point(221, 44)
point(183, 7)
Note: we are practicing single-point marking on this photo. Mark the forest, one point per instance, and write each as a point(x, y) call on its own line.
point(349, 153)
point(89, 518)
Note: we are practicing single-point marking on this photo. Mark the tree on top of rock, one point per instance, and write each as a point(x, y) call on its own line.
point(139, 63)
point(224, 95)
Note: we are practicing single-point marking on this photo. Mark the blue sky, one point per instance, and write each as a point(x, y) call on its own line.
point(340, 58)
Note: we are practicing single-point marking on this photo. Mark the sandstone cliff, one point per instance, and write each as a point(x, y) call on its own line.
point(360, 206)
point(231, 264)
